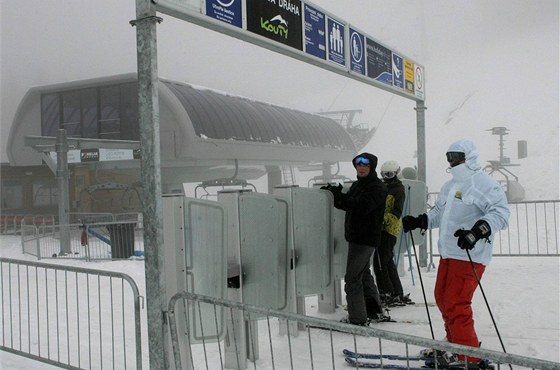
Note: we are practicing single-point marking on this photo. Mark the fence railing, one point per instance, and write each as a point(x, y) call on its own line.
point(271, 351)
point(533, 228)
point(70, 317)
point(532, 231)
point(11, 223)
point(95, 241)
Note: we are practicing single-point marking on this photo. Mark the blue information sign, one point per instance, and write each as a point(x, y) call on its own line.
point(357, 52)
point(228, 11)
point(379, 65)
point(315, 32)
point(335, 37)
point(398, 71)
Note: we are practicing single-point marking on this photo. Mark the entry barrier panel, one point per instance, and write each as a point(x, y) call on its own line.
point(312, 237)
point(195, 261)
point(332, 296)
point(263, 234)
point(257, 235)
point(340, 244)
point(257, 245)
point(416, 197)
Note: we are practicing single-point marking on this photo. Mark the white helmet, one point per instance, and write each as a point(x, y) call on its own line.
point(390, 169)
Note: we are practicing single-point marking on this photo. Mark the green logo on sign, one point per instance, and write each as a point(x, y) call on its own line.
point(279, 27)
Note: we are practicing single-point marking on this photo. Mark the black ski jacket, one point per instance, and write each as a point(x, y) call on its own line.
point(364, 204)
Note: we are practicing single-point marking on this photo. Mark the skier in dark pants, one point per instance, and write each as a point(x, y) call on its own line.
point(386, 274)
point(364, 204)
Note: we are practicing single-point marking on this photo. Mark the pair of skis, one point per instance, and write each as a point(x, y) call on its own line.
point(357, 360)
point(353, 359)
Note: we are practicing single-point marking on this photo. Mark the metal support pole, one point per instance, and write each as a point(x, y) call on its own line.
point(421, 139)
point(62, 177)
point(421, 143)
point(148, 106)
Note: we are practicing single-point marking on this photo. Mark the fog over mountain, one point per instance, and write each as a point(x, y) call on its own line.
point(488, 63)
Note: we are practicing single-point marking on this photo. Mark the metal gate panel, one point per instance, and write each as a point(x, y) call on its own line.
point(206, 263)
point(195, 262)
point(416, 197)
point(263, 229)
point(312, 213)
point(340, 244)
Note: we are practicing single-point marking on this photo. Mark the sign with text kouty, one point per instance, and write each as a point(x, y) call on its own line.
point(278, 20)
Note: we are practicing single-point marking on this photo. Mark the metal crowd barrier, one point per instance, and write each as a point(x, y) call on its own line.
point(12, 223)
point(533, 228)
point(89, 241)
point(532, 231)
point(304, 351)
point(70, 317)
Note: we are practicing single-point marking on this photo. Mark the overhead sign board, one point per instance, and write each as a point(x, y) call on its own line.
point(228, 11)
point(398, 71)
point(379, 66)
point(336, 41)
point(357, 48)
point(279, 21)
point(311, 34)
point(314, 30)
point(419, 81)
point(409, 76)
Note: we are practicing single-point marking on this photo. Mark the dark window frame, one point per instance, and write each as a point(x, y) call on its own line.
point(125, 111)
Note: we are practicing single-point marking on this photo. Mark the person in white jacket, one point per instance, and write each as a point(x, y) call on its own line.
point(470, 209)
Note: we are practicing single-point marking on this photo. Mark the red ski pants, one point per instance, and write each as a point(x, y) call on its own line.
point(455, 286)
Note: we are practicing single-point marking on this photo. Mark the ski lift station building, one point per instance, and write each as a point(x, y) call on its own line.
point(204, 135)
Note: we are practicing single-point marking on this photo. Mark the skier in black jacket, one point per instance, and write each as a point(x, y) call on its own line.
point(364, 204)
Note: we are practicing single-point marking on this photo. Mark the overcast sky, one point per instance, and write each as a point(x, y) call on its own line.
point(495, 60)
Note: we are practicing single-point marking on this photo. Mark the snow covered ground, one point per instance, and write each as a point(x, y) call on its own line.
point(523, 293)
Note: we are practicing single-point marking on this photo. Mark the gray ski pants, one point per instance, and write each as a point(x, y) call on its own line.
point(362, 296)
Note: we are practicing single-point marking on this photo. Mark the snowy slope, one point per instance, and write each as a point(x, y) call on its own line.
point(523, 294)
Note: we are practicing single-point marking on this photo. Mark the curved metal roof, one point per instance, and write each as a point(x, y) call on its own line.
point(219, 116)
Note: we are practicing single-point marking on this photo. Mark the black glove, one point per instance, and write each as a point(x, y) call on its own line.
point(468, 238)
point(336, 190)
point(410, 223)
point(326, 187)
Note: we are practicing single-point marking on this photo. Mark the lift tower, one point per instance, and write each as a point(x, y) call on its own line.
point(514, 190)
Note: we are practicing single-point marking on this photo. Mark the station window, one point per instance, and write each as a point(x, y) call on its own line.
point(106, 112)
point(12, 194)
point(45, 193)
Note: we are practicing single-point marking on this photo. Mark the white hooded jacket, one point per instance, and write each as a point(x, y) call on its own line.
point(470, 196)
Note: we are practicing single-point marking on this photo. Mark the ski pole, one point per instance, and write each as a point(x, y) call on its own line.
point(422, 285)
point(405, 212)
point(487, 305)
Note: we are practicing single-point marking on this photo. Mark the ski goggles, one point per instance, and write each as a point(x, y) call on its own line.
point(455, 157)
point(388, 174)
point(361, 160)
